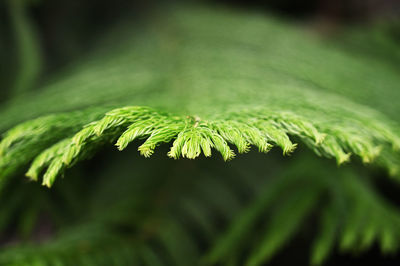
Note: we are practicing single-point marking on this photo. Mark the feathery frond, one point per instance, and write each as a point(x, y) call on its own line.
point(199, 82)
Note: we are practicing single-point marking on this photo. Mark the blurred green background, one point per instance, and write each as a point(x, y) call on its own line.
point(50, 35)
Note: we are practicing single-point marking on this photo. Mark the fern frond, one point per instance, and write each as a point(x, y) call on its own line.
point(193, 136)
point(269, 105)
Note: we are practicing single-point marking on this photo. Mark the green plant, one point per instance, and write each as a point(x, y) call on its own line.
point(196, 81)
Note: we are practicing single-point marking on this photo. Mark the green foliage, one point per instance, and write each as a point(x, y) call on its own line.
point(29, 55)
point(161, 218)
point(199, 80)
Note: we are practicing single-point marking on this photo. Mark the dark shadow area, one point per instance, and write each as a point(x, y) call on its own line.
point(139, 199)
